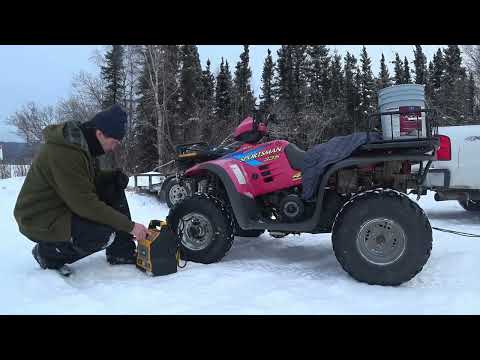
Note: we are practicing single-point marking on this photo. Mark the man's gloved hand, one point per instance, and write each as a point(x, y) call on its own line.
point(139, 231)
point(121, 179)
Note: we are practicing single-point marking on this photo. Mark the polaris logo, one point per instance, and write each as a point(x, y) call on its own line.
point(261, 154)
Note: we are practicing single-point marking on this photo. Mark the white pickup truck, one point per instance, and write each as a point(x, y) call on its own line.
point(456, 173)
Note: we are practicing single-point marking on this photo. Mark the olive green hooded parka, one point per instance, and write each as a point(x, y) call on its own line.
point(60, 181)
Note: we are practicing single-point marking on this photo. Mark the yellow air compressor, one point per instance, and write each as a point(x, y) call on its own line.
point(158, 253)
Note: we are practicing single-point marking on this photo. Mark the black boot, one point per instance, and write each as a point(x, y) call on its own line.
point(122, 260)
point(122, 250)
point(36, 255)
point(44, 262)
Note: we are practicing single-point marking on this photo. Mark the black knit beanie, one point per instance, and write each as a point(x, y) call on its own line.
point(112, 122)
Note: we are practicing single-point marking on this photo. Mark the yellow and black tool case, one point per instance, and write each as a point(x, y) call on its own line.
point(157, 254)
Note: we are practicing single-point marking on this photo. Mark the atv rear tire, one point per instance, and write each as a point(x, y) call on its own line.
point(382, 237)
point(470, 205)
point(204, 226)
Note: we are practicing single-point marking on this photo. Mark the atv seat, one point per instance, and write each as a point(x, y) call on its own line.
point(295, 156)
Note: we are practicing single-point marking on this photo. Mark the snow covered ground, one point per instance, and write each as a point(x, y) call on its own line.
point(293, 275)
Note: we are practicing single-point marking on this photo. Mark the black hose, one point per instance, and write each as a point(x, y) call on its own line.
point(456, 232)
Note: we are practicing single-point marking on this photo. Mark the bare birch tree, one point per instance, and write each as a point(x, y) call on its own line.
point(472, 59)
point(30, 120)
point(162, 87)
point(132, 62)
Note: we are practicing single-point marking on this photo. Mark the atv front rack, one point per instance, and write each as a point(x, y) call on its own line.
point(190, 153)
point(191, 147)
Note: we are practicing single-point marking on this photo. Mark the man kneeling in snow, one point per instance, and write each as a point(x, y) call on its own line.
point(69, 207)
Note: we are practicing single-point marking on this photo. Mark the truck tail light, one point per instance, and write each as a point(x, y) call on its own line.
point(444, 152)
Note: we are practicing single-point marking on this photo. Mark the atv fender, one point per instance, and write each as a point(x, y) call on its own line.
point(348, 162)
point(244, 207)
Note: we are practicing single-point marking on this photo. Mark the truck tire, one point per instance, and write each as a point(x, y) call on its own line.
point(204, 226)
point(174, 192)
point(382, 237)
point(470, 205)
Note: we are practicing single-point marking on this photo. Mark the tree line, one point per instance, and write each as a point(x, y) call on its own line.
point(315, 94)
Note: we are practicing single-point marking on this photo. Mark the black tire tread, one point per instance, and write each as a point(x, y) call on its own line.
point(340, 221)
point(166, 190)
point(226, 244)
point(469, 206)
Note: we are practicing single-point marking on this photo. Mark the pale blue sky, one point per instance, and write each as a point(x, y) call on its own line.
point(43, 73)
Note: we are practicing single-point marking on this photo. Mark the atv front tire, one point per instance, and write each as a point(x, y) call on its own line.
point(204, 226)
point(382, 237)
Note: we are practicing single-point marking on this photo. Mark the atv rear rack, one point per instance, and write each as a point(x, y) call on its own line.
point(421, 144)
point(431, 123)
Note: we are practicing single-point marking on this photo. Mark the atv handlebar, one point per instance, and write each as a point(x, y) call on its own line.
point(268, 118)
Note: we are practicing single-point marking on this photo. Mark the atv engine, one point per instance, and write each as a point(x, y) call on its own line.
point(286, 206)
point(291, 207)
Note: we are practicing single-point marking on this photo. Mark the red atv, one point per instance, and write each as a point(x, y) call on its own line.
point(380, 236)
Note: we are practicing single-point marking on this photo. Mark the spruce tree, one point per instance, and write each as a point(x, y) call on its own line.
point(429, 85)
point(368, 101)
point(453, 64)
point(284, 77)
point(113, 74)
point(146, 153)
point(470, 98)
point(336, 104)
point(299, 83)
point(358, 116)
point(267, 96)
point(243, 96)
point(336, 80)
point(290, 83)
point(350, 90)
point(317, 75)
point(190, 88)
point(384, 76)
point(223, 98)
point(453, 86)
point(407, 79)
point(399, 73)
point(436, 76)
point(190, 80)
point(207, 101)
point(207, 87)
point(438, 69)
point(420, 63)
